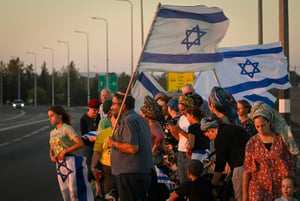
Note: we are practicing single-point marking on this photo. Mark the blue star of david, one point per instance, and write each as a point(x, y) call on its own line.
point(188, 33)
point(251, 73)
point(62, 167)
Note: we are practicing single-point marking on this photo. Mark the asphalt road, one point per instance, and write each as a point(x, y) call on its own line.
point(26, 171)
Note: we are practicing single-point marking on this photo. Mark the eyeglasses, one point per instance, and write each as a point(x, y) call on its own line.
point(116, 103)
point(188, 93)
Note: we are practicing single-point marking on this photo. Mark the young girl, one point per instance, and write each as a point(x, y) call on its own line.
point(288, 188)
point(71, 169)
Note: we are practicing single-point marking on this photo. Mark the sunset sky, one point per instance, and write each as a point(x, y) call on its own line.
point(32, 24)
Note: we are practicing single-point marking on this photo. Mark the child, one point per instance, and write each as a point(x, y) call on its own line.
point(198, 189)
point(71, 168)
point(288, 188)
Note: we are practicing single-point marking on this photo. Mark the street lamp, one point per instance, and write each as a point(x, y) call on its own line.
point(100, 18)
point(131, 33)
point(35, 81)
point(68, 68)
point(88, 63)
point(52, 51)
point(19, 77)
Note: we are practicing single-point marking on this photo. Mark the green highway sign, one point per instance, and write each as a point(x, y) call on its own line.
point(112, 83)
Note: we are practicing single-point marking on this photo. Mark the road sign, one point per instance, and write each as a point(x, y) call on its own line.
point(175, 81)
point(112, 83)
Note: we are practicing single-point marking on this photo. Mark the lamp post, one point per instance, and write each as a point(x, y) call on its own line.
point(19, 76)
point(35, 81)
point(68, 68)
point(100, 18)
point(131, 9)
point(52, 58)
point(88, 63)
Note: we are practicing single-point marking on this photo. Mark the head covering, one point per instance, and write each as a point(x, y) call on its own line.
point(207, 123)
point(223, 99)
point(107, 105)
point(277, 123)
point(186, 101)
point(94, 103)
point(151, 109)
point(159, 95)
point(173, 104)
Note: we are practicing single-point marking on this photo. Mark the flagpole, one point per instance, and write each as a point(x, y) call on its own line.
point(216, 77)
point(134, 72)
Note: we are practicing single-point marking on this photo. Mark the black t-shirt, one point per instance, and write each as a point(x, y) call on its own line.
point(198, 190)
point(230, 146)
point(88, 124)
point(201, 141)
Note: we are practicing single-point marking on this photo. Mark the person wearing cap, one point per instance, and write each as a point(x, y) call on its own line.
point(179, 131)
point(89, 122)
point(230, 142)
point(175, 115)
point(131, 153)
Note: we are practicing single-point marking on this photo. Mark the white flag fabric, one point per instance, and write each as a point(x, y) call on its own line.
point(183, 39)
point(145, 85)
point(72, 179)
point(248, 72)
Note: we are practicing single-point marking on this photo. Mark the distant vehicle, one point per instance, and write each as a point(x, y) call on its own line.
point(18, 103)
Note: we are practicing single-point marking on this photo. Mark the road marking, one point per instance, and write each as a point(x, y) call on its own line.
point(23, 137)
point(20, 125)
point(14, 117)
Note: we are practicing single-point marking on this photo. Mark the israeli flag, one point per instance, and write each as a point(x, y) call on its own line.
point(184, 39)
point(90, 134)
point(72, 179)
point(145, 85)
point(164, 178)
point(248, 72)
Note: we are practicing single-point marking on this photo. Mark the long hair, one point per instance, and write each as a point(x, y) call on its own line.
point(59, 110)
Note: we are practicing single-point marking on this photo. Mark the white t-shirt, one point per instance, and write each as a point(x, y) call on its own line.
point(183, 141)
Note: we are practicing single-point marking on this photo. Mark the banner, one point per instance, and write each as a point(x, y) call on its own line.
point(184, 38)
point(248, 72)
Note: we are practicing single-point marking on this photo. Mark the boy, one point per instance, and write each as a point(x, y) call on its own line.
point(196, 190)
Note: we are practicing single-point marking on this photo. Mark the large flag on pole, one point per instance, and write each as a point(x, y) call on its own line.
point(184, 38)
point(248, 72)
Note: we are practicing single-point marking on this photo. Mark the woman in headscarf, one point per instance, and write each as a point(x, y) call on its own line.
point(268, 155)
point(230, 141)
point(223, 104)
point(152, 112)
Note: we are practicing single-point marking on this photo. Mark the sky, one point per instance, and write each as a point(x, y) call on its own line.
point(30, 25)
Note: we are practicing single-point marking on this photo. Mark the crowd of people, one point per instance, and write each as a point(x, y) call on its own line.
point(175, 148)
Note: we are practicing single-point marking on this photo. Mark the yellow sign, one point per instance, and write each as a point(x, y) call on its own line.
point(175, 81)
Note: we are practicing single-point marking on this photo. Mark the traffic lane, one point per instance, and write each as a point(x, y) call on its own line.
point(9, 118)
point(22, 131)
point(26, 167)
point(27, 171)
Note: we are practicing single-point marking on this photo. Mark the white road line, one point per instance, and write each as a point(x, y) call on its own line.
point(14, 117)
point(20, 125)
point(25, 136)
